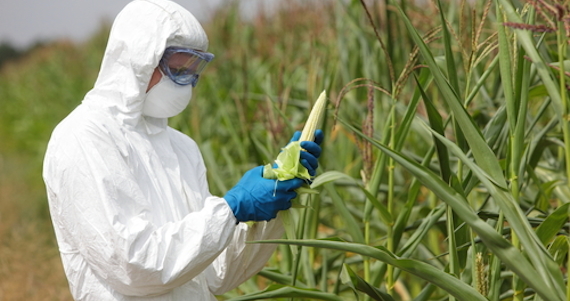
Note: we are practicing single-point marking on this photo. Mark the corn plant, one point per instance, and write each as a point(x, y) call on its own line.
point(444, 171)
point(489, 181)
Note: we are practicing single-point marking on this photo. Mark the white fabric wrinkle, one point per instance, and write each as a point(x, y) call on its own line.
point(153, 125)
point(247, 259)
point(128, 196)
point(133, 51)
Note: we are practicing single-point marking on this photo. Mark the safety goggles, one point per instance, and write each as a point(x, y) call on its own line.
point(183, 65)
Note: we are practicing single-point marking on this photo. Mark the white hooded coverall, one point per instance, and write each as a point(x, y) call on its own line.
point(130, 204)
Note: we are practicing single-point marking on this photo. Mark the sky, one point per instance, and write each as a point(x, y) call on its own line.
point(23, 22)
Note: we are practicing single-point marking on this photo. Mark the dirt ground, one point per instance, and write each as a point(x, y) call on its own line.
point(30, 267)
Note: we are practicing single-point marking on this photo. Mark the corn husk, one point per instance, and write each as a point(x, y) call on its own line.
point(289, 167)
point(287, 162)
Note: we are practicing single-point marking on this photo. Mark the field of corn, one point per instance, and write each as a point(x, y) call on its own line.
point(445, 167)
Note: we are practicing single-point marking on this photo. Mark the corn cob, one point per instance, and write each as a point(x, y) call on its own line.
point(314, 120)
point(288, 165)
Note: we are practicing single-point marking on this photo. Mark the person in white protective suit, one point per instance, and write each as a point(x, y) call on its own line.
point(130, 204)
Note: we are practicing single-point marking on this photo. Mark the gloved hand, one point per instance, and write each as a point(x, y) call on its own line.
point(312, 151)
point(257, 199)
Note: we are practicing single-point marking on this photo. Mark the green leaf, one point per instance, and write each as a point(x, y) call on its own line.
point(553, 223)
point(538, 91)
point(537, 253)
point(506, 69)
point(289, 225)
point(528, 43)
point(426, 225)
point(450, 61)
point(440, 278)
point(559, 249)
point(274, 274)
point(352, 226)
point(304, 190)
point(384, 213)
point(436, 123)
point(511, 256)
point(332, 176)
point(350, 278)
point(282, 291)
point(481, 151)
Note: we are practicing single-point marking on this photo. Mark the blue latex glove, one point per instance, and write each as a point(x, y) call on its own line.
point(312, 153)
point(257, 199)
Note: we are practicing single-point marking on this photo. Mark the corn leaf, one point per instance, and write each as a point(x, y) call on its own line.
point(282, 291)
point(481, 151)
point(512, 257)
point(350, 278)
point(332, 176)
point(553, 223)
point(528, 43)
point(275, 275)
point(538, 255)
point(441, 279)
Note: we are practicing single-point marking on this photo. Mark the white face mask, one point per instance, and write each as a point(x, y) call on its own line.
point(166, 99)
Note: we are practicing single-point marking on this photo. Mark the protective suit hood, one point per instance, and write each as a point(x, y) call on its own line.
point(128, 196)
point(139, 35)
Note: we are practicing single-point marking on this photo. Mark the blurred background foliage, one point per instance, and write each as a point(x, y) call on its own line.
point(267, 73)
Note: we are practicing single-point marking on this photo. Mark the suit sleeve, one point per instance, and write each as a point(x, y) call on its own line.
point(101, 212)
